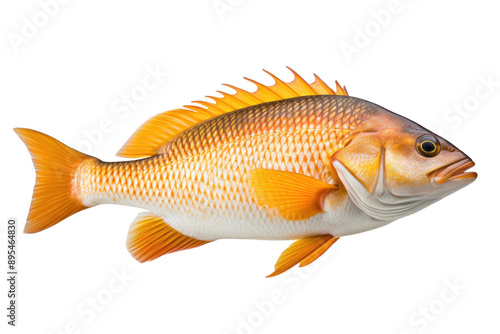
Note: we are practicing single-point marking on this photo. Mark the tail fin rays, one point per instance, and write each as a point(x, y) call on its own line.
point(53, 196)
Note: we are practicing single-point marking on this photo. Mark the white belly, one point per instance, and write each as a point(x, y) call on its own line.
point(250, 221)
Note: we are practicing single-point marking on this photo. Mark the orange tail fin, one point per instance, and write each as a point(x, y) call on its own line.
point(54, 195)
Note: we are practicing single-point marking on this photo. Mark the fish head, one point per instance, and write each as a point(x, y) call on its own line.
point(392, 167)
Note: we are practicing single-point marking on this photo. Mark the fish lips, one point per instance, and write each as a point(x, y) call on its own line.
point(455, 172)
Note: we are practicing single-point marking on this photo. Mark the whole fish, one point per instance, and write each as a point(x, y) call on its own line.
point(294, 160)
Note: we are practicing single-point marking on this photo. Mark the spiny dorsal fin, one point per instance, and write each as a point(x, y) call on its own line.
point(154, 133)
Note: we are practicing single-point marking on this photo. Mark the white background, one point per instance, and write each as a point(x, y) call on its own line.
point(425, 60)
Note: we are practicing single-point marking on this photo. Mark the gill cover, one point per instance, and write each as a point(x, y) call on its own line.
point(361, 168)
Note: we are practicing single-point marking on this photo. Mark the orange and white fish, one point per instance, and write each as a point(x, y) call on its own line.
point(289, 161)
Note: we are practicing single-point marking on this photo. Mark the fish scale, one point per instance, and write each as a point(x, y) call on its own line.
point(293, 160)
point(204, 205)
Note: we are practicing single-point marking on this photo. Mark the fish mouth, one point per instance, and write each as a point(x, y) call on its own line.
point(455, 171)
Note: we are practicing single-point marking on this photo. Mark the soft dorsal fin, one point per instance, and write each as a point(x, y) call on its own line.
point(154, 133)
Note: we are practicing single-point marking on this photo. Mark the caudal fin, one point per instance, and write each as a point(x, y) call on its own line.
point(54, 197)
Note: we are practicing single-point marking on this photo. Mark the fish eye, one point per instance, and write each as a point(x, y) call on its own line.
point(428, 146)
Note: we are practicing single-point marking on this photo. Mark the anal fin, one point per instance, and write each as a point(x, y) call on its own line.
point(304, 251)
point(150, 237)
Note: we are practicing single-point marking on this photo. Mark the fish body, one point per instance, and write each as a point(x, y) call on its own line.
point(290, 161)
point(200, 179)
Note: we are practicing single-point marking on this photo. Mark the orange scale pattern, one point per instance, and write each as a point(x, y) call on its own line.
point(204, 170)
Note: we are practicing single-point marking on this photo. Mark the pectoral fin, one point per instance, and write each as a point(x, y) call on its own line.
point(149, 237)
point(292, 196)
point(304, 251)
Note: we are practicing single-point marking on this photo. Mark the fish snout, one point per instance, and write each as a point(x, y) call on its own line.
point(455, 171)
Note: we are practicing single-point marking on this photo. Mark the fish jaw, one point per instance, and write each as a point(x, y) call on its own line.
point(456, 171)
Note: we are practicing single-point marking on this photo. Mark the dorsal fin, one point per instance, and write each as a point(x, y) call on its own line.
point(154, 133)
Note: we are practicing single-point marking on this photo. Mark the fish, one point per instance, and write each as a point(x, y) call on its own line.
point(290, 161)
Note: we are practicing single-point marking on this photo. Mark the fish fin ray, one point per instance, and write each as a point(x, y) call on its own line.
point(149, 139)
point(150, 237)
point(53, 196)
point(303, 251)
point(293, 196)
point(151, 136)
point(317, 252)
point(278, 91)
